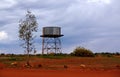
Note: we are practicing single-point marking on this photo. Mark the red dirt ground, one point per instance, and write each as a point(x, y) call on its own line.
point(57, 73)
point(95, 67)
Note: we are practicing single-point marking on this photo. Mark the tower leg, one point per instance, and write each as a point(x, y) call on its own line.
point(42, 45)
point(51, 45)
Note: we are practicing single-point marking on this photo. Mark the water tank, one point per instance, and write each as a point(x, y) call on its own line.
point(52, 31)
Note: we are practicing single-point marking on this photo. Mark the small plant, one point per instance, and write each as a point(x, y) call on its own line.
point(65, 66)
point(39, 65)
point(12, 59)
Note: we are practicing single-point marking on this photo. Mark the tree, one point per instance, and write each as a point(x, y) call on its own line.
point(82, 52)
point(27, 27)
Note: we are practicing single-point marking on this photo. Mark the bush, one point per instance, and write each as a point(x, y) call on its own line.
point(82, 52)
point(117, 53)
point(12, 59)
point(105, 54)
point(2, 54)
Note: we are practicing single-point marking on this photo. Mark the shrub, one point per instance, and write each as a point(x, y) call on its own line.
point(117, 53)
point(106, 54)
point(39, 65)
point(65, 66)
point(12, 59)
point(2, 54)
point(82, 52)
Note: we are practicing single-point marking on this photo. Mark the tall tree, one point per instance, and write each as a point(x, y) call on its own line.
point(27, 27)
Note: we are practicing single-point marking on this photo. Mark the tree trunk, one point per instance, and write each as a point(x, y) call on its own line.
point(28, 55)
point(28, 47)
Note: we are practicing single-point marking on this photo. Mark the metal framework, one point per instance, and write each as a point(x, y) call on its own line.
point(51, 45)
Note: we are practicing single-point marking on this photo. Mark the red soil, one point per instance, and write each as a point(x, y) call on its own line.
point(55, 68)
point(2, 66)
point(57, 73)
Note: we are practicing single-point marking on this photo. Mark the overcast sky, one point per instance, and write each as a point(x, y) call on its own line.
point(93, 24)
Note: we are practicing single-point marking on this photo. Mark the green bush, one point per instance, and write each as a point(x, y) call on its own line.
point(105, 54)
point(12, 59)
point(82, 52)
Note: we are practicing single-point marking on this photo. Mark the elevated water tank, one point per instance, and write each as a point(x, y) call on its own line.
point(51, 32)
point(51, 40)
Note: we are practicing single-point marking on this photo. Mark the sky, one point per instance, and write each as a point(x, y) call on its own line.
point(93, 24)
